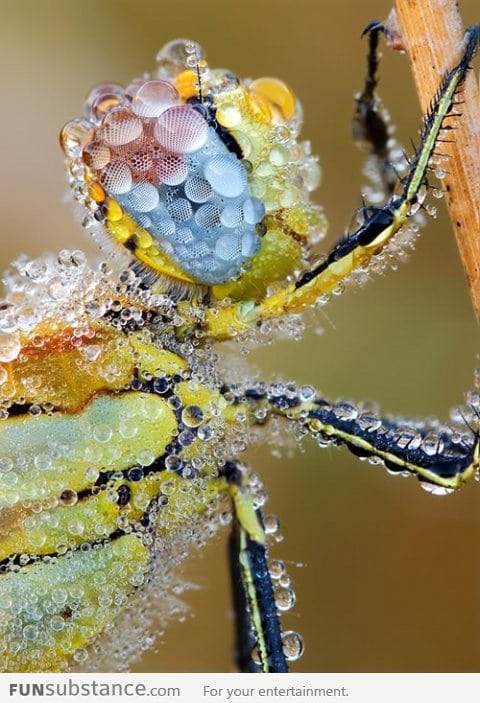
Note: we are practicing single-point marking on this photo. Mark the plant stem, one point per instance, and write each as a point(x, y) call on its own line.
point(432, 33)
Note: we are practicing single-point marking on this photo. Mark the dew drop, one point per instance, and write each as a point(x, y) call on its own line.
point(57, 623)
point(173, 463)
point(80, 655)
point(181, 129)
point(228, 115)
point(284, 599)
point(435, 490)
point(30, 633)
point(307, 393)
point(96, 155)
point(102, 433)
point(345, 411)
point(226, 175)
point(276, 569)
point(128, 428)
point(120, 127)
point(6, 464)
point(68, 497)
point(76, 527)
point(9, 347)
point(369, 422)
point(432, 444)
point(186, 438)
point(192, 416)
point(43, 462)
point(255, 655)
point(73, 135)
point(473, 399)
point(293, 646)
point(144, 197)
point(272, 524)
point(145, 457)
point(205, 433)
point(116, 177)
point(154, 97)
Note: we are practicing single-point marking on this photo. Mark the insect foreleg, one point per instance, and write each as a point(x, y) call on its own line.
point(356, 251)
point(370, 128)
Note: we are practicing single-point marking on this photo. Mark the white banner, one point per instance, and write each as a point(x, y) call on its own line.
point(249, 688)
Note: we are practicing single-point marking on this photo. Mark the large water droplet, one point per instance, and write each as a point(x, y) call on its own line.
point(9, 347)
point(436, 490)
point(293, 646)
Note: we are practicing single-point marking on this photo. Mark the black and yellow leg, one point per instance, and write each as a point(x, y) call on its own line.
point(439, 459)
point(259, 638)
point(442, 459)
point(356, 250)
point(370, 128)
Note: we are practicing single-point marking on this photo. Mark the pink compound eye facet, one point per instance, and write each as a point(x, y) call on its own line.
point(171, 169)
point(96, 154)
point(181, 129)
point(121, 126)
point(153, 98)
point(116, 178)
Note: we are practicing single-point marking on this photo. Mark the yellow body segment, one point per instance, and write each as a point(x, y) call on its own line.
point(65, 370)
point(53, 453)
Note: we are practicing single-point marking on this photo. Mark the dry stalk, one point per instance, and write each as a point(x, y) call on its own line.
point(432, 33)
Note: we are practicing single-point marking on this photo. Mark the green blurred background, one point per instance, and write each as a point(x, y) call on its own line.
point(387, 577)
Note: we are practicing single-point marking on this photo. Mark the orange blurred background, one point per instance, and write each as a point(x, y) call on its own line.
point(387, 577)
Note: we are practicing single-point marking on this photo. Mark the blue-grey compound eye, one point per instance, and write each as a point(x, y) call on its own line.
point(198, 208)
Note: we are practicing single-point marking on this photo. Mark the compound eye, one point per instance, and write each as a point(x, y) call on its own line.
point(199, 175)
point(173, 176)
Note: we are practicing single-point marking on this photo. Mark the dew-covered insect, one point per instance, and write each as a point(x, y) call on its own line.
point(121, 429)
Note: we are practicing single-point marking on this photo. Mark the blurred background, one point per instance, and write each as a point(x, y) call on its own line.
point(387, 577)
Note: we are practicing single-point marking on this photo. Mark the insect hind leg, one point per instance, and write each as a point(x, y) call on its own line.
point(259, 645)
point(443, 458)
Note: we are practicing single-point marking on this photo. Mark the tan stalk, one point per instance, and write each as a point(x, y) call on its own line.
point(432, 33)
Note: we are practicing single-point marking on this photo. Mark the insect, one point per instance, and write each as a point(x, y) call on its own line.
point(121, 430)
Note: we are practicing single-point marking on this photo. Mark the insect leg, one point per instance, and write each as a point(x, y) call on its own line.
point(370, 127)
point(356, 250)
point(442, 458)
point(256, 616)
